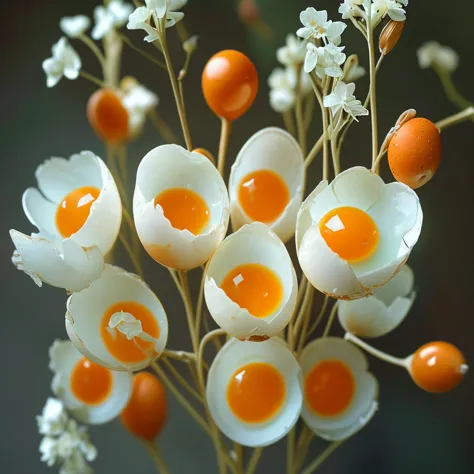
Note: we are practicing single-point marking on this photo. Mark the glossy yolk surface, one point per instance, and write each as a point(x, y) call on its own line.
point(349, 232)
point(74, 209)
point(90, 383)
point(184, 208)
point(329, 388)
point(256, 392)
point(117, 343)
point(263, 195)
point(255, 288)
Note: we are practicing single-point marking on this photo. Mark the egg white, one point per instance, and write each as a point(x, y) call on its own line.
point(171, 166)
point(57, 177)
point(394, 207)
point(63, 358)
point(86, 309)
point(253, 243)
point(363, 405)
point(235, 354)
point(276, 150)
point(381, 313)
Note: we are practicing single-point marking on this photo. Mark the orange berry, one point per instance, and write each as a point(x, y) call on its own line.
point(414, 152)
point(206, 153)
point(438, 367)
point(145, 414)
point(248, 11)
point(229, 84)
point(107, 116)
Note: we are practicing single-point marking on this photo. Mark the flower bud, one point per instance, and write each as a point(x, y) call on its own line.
point(190, 44)
point(390, 36)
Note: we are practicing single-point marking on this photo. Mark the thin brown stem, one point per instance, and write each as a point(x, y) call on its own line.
point(289, 121)
point(373, 91)
point(226, 126)
point(254, 460)
point(467, 114)
point(157, 457)
point(322, 457)
point(162, 127)
point(144, 54)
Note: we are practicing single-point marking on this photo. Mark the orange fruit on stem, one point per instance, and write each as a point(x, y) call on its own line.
point(438, 367)
point(414, 152)
point(145, 413)
point(107, 116)
point(206, 153)
point(229, 84)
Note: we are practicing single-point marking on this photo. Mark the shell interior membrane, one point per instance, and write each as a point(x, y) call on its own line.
point(78, 199)
point(396, 212)
point(384, 311)
point(252, 244)
point(337, 404)
point(277, 419)
point(114, 297)
point(94, 394)
point(275, 150)
point(170, 167)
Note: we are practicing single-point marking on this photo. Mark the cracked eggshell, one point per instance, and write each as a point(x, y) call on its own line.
point(63, 359)
point(394, 207)
point(276, 150)
point(364, 401)
point(381, 313)
point(235, 354)
point(57, 177)
point(253, 243)
point(86, 309)
point(171, 166)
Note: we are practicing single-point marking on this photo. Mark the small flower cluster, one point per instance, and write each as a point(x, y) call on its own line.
point(65, 443)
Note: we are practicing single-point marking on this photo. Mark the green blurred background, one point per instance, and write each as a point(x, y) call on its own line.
point(414, 432)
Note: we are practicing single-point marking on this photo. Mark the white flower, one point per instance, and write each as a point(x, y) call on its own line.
point(140, 18)
point(74, 26)
point(343, 98)
point(139, 101)
point(190, 44)
point(52, 420)
point(354, 73)
point(282, 84)
point(114, 15)
point(395, 10)
point(68, 444)
point(64, 62)
point(351, 9)
point(433, 54)
point(326, 60)
point(316, 25)
point(293, 53)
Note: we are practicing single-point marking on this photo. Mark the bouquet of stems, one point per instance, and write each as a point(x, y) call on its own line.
point(270, 372)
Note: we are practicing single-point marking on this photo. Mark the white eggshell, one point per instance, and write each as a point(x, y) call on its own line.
point(86, 309)
point(63, 358)
point(383, 312)
point(62, 264)
point(363, 405)
point(253, 243)
point(276, 150)
point(394, 207)
point(57, 177)
point(171, 166)
point(235, 354)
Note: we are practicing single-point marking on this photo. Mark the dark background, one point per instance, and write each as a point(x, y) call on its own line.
point(414, 432)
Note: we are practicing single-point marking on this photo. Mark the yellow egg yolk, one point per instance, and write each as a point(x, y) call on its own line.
point(256, 392)
point(90, 383)
point(255, 288)
point(184, 208)
point(263, 196)
point(350, 233)
point(74, 209)
point(124, 350)
point(329, 388)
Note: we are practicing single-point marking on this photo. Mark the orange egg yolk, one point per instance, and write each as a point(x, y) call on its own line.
point(349, 232)
point(263, 196)
point(329, 388)
point(184, 208)
point(255, 288)
point(74, 209)
point(90, 383)
point(124, 350)
point(256, 392)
